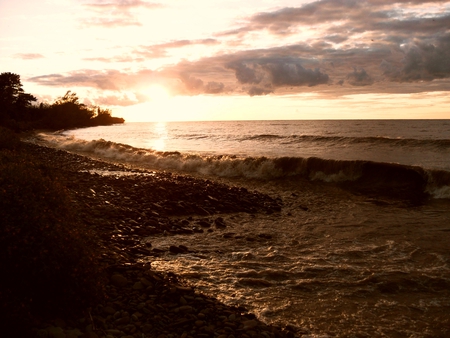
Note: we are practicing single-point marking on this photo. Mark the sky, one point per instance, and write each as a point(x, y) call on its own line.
point(177, 60)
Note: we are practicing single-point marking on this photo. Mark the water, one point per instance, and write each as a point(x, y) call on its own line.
point(414, 142)
point(332, 262)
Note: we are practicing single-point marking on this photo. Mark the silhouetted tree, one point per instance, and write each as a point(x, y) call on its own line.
point(68, 112)
point(14, 102)
point(18, 113)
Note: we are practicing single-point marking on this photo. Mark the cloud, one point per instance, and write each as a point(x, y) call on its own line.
point(123, 100)
point(213, 87)
point(359, 78)
point(273, 72)
point(161, 50)
point(116, 13)
point(421, 62)
point(29, 56)
point(349, 16)
point(193, 85)
point(255, 91)
point(106, 80)
point(385, 44)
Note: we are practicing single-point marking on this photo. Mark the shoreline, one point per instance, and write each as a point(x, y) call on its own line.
point(125, 209)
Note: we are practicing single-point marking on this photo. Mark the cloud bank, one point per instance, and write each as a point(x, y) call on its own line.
point(352, 46)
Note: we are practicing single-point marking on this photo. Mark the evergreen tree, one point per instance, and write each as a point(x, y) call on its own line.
point(14, 102)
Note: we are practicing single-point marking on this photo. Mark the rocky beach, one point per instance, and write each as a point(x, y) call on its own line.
point(198, 256)
point(125, 206)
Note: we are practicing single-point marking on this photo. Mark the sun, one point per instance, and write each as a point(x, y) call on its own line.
point(156, 93)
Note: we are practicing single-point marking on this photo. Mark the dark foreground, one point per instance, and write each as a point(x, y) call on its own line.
point(125, 206)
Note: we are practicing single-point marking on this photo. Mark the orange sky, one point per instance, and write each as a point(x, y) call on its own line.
point(221, 60)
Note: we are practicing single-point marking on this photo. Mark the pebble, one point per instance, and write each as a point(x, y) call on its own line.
point(119, 280)
point(141, 302)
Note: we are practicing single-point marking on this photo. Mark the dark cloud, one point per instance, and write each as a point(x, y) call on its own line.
point(421, 62)
point(269, 73)
point(29, 56)
point(116, 13)
point(292, 73)
point(193, 85)
point(256, 91)
point(247, 72)
point(377, 37)
point(351, 15)
point(359, 78)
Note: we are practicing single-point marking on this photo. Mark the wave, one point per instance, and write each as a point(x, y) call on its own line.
point(368, 177)
point(345, 140)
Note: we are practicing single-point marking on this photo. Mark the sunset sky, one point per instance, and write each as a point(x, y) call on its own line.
point(222, 60)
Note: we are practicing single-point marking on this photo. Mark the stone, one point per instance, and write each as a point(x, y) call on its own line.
point(250, 324)
point(199, 323)
point(138, 286)
point(119, 280)
point(109, 310)
point(183, 301)
point(185, 308)
point(146, 328)
point(55, 332)
point(42, 333)
point(75, 333)
point(145, 282)
point(176, 249)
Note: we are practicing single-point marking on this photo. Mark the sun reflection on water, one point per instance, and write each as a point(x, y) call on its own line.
point(160, 136)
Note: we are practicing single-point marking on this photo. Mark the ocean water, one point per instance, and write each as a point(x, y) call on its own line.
point(335, 262)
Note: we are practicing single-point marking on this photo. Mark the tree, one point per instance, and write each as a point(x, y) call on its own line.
point(14, 102)
point(68, 112)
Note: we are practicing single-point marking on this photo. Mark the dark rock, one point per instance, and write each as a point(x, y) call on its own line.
point(177, 249)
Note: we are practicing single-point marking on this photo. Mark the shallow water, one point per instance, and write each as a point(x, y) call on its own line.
point(330, 263)
point(424, 143)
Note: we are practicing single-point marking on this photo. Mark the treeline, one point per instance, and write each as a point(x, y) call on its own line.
point(19, 110)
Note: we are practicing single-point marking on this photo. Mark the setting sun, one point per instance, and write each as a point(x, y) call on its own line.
point(156, 93)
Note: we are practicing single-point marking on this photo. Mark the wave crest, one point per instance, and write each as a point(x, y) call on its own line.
point(364, 176)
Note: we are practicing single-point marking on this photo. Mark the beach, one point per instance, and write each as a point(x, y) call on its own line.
point(372, 265)
point(125, 206)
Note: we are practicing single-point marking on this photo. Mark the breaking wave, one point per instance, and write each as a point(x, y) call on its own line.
point(346, 140)
point(368, 177)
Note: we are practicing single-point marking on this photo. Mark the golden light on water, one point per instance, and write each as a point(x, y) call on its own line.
point(160, 131)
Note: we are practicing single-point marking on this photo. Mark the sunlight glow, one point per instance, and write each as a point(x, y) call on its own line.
point(156, 93)
point(160, 132)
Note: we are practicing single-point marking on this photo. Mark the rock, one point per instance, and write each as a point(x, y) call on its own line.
point(42, 333)
point(219, 222)
point(55, 332)
point(183, 301)
point(185, 308)
point(73, 333)
point(138, 286)
point(119, 280)
point(177, 249)
point(204, 223)
point(145, 282)
point(250, 324)
point(109, 310)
